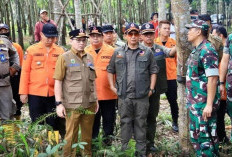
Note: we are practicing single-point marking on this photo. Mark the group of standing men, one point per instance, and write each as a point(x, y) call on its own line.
point(98, 76)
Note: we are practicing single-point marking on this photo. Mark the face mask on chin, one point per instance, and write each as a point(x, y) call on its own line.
point(6, 34)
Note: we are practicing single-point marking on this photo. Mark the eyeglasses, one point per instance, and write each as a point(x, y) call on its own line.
point(133, 34)
point(80, 40)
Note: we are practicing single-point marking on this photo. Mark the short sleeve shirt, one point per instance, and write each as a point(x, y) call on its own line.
point(228, 47)
point(202, 63)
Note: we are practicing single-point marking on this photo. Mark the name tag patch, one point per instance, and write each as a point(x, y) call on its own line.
point(105, 57)
point(74, 65)
point(38, 54)
point(55, 55)
point(159, 54)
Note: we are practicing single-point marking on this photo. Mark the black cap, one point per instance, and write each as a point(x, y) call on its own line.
point(95, 30)
point(77, 33)
point(153, 15)
point(131, 27)
point(49, 30)
point(147, 27)
point(107, 28)
point(5, 26)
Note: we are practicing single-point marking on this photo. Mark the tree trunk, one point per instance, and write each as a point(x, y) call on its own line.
point(19, 22)
point(24, 25)
point(180, 10)
point(32, 18)
point(57, 9)
point(12, 22)
point(78, 14)
point(162, 10)
point(203, 6)
point(63, 33)
point(2, 8)
point(7, 14)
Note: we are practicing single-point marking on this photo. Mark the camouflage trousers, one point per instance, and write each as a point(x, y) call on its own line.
point(203, 135)
point(229, 96)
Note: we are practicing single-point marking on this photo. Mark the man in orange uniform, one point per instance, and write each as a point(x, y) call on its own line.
point(106, 97)
point(36, 82)
point(171, 64)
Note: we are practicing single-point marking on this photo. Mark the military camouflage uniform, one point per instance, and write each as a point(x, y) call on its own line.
point(228, 50)
point(218, 45)
point(202, 63)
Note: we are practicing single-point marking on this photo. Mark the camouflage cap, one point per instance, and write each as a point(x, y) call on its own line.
point(198, 24)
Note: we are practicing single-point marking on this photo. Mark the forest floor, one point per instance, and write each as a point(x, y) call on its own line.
point(166, 140)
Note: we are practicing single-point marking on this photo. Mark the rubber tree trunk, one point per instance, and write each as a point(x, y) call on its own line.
point(57, 8)
point(203, 6)
point(162, 9)
point(19, 22)
point(78, 18)
point(180, 10)
point(12, 22)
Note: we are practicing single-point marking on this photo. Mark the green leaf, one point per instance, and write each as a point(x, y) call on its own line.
point(75, 145)
point(2, 148)
point(81, 146)
point(23, 138)
point(55, 148)
point(48, 149)
point(42, 155)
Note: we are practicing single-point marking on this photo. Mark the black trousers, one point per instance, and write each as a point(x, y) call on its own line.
point(172, 99)
point(15, 90)
point(107, 112)
point(220, 120)
point(39, 106)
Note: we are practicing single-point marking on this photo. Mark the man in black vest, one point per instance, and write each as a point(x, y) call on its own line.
point(160, 53)
point(135, 68)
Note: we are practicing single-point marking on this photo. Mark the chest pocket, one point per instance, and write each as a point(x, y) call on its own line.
point(119, 64)
point(142, 62)
point(38, 62)
point(75, 73)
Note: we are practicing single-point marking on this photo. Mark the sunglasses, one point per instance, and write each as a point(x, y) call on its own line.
point(133, 34)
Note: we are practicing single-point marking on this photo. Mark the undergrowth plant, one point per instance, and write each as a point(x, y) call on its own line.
point(27, 139)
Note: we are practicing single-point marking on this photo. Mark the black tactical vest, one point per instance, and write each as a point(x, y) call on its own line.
point(142, 80)
point(161, 82)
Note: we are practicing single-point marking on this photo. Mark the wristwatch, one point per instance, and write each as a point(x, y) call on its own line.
point(152, 91)
point(222, 83)
point(57, 103)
